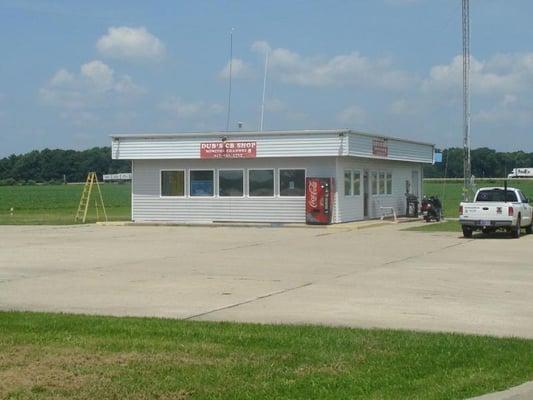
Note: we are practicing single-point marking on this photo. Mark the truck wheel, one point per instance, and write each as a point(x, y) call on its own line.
point(467, 232)
point(529, 229)
point(517, 229)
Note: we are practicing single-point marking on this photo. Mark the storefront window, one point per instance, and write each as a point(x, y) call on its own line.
point(389, 182)
point(292, 182)
point(374, 182)
point(261, 182)
point(230, 183)
point(172, 183)
point(356, 183)
point(347, 183)
point(201, 183)
point(381, 183)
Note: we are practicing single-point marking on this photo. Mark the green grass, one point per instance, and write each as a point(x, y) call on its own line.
point(444, 226)
point(57, 204)
point(84, 357)
point(451, 192)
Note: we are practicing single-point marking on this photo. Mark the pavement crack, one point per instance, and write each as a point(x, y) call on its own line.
point(265, 296)
point(425, 253)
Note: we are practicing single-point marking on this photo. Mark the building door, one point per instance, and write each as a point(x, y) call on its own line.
point(365, 193)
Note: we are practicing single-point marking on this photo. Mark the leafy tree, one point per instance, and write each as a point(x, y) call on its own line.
point(51, 165)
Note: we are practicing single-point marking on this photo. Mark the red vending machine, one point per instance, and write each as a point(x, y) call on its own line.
point(318, 200)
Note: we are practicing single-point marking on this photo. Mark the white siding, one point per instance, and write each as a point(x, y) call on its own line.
point(148, 205)
point(271, 145)
point(350, 208)
point(360, 145)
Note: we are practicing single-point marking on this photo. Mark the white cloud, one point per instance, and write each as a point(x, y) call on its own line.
point(98, 74)
point(93, 86)
point(62, 77)
point(346, 69)
point(500, 74)
point(352, 115)
point(403, 107)
point(130, 43)
point(510, 109)
point(239, 69)
point(182, 109)
point(260, 46)
point(500, 87)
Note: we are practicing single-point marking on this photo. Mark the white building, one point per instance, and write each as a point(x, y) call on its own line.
point(260, 176)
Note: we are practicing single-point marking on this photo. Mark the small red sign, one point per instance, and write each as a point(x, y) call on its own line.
point(380, 148)
point(228, 149)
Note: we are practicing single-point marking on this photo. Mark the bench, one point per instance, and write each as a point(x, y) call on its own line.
point(387, 211)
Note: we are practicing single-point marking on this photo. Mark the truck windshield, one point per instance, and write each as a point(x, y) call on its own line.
point(496, 195)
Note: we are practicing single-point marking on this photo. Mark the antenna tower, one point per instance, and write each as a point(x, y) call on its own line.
point(467, 189)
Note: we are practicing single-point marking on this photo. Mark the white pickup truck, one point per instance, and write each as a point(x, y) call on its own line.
point(496, 208)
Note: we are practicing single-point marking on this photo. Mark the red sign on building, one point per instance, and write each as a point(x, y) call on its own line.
point(380, 148)
point(228, 149)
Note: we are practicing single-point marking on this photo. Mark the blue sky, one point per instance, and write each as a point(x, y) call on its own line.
point(73, 72)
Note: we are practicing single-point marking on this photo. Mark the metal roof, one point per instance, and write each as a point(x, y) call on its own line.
point(259, 133)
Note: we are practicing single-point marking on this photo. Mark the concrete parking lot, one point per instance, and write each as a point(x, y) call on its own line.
point(378, 277)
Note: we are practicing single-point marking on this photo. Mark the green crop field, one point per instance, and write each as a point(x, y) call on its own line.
point(451, 192)
point(57, 204)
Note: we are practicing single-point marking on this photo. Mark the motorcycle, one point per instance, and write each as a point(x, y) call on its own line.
point(431, 209)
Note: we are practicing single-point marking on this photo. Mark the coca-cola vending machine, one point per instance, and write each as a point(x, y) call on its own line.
point(318, 200)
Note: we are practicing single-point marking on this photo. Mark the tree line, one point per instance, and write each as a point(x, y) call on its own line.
point(486, 163)
point(58, 166)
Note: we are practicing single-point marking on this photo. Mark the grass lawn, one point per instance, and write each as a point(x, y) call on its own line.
point(57, 204)
point(84, 357)
point(451, 192)
point(444, 226)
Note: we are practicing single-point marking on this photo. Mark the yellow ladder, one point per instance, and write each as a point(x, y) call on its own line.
point(83, 207)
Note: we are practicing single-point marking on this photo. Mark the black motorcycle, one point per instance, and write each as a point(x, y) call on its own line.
point(431, 208)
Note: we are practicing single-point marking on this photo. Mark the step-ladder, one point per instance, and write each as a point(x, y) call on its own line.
point(83, 207)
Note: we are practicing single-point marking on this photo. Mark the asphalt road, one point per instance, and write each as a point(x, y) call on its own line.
point(376, 277)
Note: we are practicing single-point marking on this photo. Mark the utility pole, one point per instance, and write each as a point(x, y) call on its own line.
point(467, 189)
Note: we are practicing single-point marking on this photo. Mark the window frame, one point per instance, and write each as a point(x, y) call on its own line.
point(273, 183)
point(358, 171)
point(380, 181)
point(215, 188)
point(278, 194)
point(352, 172)
point(387, 173)
point(243, 183)
point(374, 173)
point(161, 196)
point(344, 182)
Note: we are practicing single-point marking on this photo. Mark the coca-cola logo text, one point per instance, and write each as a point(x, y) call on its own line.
point(313, 193)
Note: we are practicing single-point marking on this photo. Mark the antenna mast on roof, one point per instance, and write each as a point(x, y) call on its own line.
point(467, 189)
point(230, 67)
point(264, 90)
